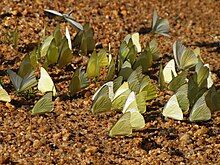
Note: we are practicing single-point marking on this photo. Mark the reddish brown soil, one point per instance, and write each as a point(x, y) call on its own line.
point(71, 134)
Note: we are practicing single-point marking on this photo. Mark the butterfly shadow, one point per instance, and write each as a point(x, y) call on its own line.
point(27, 48)
point(215, 46)
point(144, 30)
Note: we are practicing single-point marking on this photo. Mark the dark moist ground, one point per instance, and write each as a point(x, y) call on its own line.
point(71, 134)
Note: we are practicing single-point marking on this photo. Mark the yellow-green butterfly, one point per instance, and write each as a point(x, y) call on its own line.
point(44, 105)
point(178, 81)
point(149, 89)
point(213, 99)
point(184, 58)
point(22, 84)
point(145, 60)
point(111, 69)
point(153, 49)
point(121, 96)
point(57, 49)
point(102, 98)
point(159, 26)
point(130, 104)
point(128, 122)
point(84, 40)
point(200, 110)
point(172, 109)
point(96, 61)
point(45, 46)
point(79, 80)
point(45, 83)
point(204, 74)
point(122, 127)
point(4, 96)
point(26, 66)
point(131, 119)
point(135, 39)
point(169, 71)
point(125, 70)
point(135, 79)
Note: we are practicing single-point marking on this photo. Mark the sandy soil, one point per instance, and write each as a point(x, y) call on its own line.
point(71, 134)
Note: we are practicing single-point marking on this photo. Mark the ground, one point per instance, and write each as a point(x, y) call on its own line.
point(71, 134)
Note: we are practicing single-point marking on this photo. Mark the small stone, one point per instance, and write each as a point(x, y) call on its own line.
point(37, 144)
point(201, 131)
point(91, 149)
point(185, 139)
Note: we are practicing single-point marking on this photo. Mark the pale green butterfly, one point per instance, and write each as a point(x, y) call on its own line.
point(96, 61)
point(79, 80)
point(125, 70)
point(159, 26)
point(84, 40)
point(120, 96)
point(135, 79)
point(22, 84)
point(111, 68)
point(169, 71)
point(45, 46)
point(200, 110)
point(130, 104)
point(128, 122)
point(122, 127)
point(213, 99)
point(135, 39)
point(4, 96)
point(43, 105)
point(102, 98)
point(172, 109)
point(184, 58)
point(149, 89)
point(203, 72)
point(45, 83)
point(67, 17)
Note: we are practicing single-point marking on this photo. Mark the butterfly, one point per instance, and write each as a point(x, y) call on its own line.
point(135, 39)
point(4, 96)
point(45, 83)
point(111, 68)
point(185, 58)
point(200, 110)
point(79, 80)
point(102, 98)
point(159, 26)
point(120, 96)
point(84, 40)
point(130, 120)
point(24, 83)
point(169, 71)
point(96, 62)
point(44, 105)
point(67, 17)
point(172, 109)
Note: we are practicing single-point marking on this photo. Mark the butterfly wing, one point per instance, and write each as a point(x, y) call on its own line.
point(15, 79)
point(4, 96)
point(45, 83)
point(43, 105)
point(172, 109)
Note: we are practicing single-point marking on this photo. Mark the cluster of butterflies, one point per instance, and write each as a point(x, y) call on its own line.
point(128, 97)
point(44, 84)
point(84, 38)
point(194, 92)
point(55, 49)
